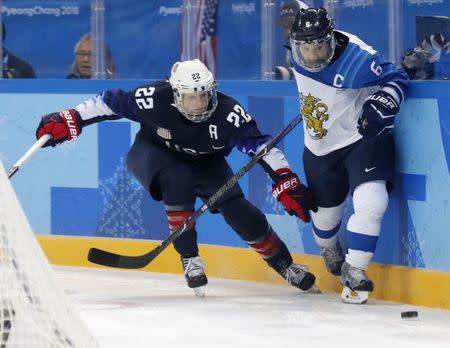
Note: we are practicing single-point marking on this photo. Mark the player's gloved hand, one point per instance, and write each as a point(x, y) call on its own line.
point(418, 65)
point(64, 125)
point(378, 114)
point(295, 197)
point(435, 44)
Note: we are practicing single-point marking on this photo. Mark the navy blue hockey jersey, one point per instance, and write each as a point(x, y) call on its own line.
point(153, 107)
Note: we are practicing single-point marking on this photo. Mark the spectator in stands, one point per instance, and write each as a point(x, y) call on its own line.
point(14, 67)
point(287, 15)
point(81, 66)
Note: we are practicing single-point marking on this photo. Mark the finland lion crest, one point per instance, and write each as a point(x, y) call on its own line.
point(314, 114)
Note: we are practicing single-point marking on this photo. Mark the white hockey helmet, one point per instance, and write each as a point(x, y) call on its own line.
point(194, 90)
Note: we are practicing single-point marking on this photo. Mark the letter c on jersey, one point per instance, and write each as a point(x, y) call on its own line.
point(338, 80)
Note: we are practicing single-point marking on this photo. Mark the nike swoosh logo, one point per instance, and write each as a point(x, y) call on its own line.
point(369, 169)
point(217, 147)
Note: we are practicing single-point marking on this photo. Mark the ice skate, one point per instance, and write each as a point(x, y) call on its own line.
point(333, 258)
point(194, 272)
point(298, 276)
point(356, 285)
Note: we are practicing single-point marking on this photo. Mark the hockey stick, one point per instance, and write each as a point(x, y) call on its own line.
point(106, 258)
point(37, 145)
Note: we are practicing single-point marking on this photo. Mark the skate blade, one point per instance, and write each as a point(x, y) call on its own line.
point(313, 290)
point(199, 291)
point(354, 297)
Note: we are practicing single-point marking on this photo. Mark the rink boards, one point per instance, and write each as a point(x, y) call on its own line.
point(392, 283)
point(83, 191)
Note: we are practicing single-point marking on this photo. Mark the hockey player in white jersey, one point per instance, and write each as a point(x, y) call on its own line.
point(349, 95)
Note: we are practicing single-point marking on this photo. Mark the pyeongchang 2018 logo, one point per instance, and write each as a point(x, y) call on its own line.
point(41, 11)
point(170, 11)
point(358, 3)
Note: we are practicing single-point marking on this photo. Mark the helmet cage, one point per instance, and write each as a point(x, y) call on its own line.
point(328, 40)
point(193, 77)
point(314, 27)
point(180, 92)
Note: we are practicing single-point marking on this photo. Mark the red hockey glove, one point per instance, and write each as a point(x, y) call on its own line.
point(294, 196)
point(62, 126)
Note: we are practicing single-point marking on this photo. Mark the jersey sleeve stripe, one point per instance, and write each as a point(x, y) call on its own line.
point(93, 108)
point(395, 90)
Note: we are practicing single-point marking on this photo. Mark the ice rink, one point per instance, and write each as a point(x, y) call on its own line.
point(139, 309)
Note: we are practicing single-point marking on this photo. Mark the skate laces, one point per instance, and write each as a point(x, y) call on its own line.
point(332, 255)
point(193, 266)
point(353, 276)
point(357, 274)
point(294, 273)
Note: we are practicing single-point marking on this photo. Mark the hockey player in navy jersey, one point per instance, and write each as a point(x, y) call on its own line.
point(349, 95)
point(187, 129)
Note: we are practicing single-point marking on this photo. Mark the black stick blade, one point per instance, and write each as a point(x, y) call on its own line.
point(109, 259)
point(103, 257)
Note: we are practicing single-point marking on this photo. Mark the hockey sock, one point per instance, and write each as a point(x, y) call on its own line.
point(273, 250)
point(186, 243)
point(326, 223)
point(370, 201)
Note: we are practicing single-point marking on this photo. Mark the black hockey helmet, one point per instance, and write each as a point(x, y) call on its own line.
point(312, 24)
point(312, 38)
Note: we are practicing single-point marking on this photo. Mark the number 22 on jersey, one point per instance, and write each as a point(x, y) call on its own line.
point(143, 97)
point(235, 117)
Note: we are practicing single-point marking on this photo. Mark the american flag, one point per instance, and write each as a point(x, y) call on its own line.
point(202, 34)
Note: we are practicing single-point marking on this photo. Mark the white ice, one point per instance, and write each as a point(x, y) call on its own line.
point(131, 309)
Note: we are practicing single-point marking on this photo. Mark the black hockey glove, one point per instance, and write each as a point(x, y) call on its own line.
point(378, 114)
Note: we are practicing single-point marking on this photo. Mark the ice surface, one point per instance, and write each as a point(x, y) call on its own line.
point(140, 309)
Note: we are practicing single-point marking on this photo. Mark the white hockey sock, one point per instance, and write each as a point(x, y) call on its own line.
point(359, 259)
point(370, 201)
point(326, 222)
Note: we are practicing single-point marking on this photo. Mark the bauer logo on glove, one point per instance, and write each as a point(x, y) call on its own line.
point(294, 196)
point(378, 114)
point(285, 185)
point(62, 126)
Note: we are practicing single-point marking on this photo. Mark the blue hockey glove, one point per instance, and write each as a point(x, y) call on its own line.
point(378, 114)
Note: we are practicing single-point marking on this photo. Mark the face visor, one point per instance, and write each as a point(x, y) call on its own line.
point(314, 55)
point(198, 105)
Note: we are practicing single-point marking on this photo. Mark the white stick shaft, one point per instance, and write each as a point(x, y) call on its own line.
point(37, 145)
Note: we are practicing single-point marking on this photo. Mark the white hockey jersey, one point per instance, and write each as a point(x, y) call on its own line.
point(331, 100)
